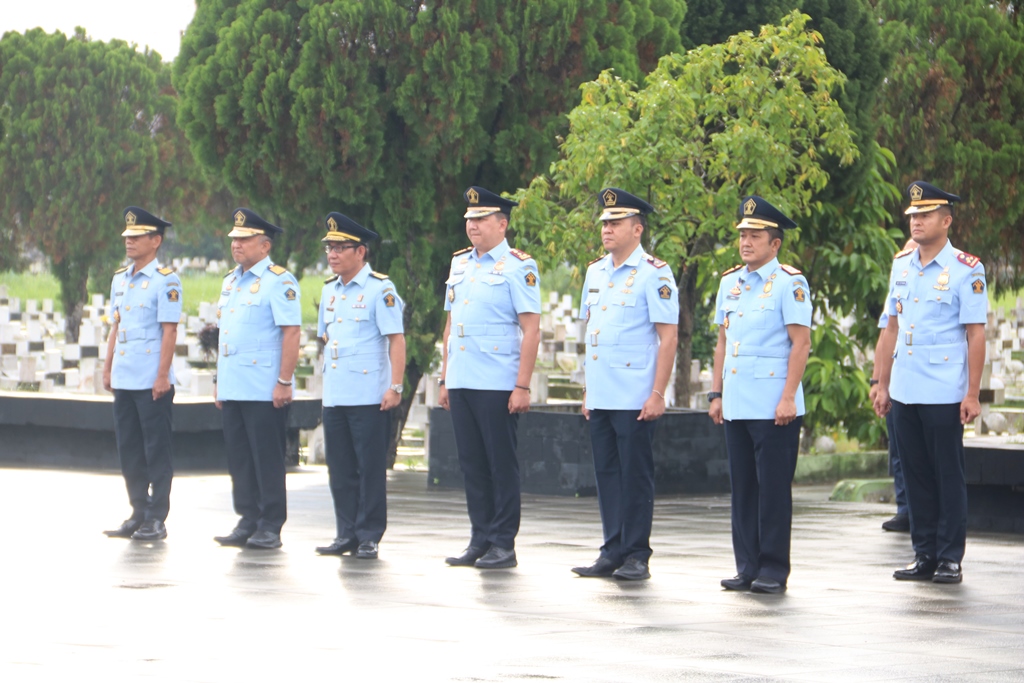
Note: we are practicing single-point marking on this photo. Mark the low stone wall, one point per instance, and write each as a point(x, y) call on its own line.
point(77, 432)
point(555, 457)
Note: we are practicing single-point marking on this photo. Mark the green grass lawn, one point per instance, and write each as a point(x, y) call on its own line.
point(197, 288)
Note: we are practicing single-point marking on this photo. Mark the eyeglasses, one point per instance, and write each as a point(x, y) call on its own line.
point(339, 248)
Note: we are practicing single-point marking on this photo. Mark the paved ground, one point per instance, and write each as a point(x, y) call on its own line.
point(78, 605)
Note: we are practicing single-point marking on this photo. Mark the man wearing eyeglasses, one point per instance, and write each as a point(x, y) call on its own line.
point(360, 323)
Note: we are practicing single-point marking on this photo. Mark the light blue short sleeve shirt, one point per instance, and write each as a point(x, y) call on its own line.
point(141, 301)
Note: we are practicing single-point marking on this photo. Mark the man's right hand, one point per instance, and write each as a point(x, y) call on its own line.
point(106, 380)
point(442, 397)
point(715, 412)
point(881, 403)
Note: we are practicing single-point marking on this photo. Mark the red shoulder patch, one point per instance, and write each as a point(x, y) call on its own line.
point(901, 254)
point(521, 255)
point(733, 269)
point(968, 259)
point(657, 263)
point(791, 270)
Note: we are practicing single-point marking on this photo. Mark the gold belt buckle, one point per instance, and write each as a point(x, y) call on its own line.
point(593, 338)
point(461, 332)
point(735, 349)
point(334, 353)
point(225, 352)
point(122, 336)
point(908, 338)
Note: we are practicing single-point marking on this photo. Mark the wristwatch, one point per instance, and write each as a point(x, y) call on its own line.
point(397, 388)
point(440, 381)
point(712, 395)
point(872, 382)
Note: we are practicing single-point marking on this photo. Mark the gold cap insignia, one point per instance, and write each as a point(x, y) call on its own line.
point(239, 218)
point(609, 198)
point(916, 193)
point(129, 218)
point(332, 224)
point(472, 196)
point(749, 207)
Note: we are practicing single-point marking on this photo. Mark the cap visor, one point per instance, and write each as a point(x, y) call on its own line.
point(928, 208)
point(750, 224)
point(245, 232)
point(137, 230)
point(615, 214)
point(480, 211)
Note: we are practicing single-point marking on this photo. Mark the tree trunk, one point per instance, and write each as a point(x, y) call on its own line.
point(73, 294)
point(400, 413)
point(684, 352)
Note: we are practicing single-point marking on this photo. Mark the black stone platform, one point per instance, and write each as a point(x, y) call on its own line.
point(77, 432)
point(995, 484)
point(555, 457)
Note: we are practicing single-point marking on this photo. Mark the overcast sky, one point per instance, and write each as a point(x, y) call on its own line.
point(156, 23)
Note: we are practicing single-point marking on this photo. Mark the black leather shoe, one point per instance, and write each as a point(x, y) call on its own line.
point(127, 528)
point(367, 550)
point(497, 558)
point(948, 572)
point(340, 546)
point(151, 530)
point(921, 569)
point(763, 584)
point(468, 557)
point(632, 570)
point(737, 583)
point(897, 523)
point(236, 538)
point(264, 540)
point(602, 567)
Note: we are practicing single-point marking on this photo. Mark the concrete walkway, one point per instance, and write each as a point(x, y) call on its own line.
point(78, 605)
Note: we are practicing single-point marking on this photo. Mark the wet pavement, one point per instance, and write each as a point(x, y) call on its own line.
point(77, 604)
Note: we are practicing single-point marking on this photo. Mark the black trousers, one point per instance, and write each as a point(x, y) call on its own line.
point(254, 436)
point(762, 461)
point(624, 468)
point(485, 435)
point(356, 439)
point(142, 428)
point(931, 443)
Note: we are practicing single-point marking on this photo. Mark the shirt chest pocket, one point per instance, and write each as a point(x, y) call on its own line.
point(249, 306)
point(624, 308)
point(940, 306)
point(901, 293)
point(771, 368)
point(762, 313)
point(364, 366)
point(493, 289)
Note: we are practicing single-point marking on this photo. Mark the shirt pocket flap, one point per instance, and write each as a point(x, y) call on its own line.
point(945, 357)
point(364, 366)
point(259, 359)
point(771, 368)
point(624, 358)
point(496, 346)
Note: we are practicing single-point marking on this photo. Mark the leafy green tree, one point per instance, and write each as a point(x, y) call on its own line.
point(388, 110)
point(78, 148)
point(952, 111)
point(752, 115)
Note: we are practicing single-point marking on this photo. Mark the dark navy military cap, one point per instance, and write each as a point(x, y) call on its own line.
point(141, 222)
point(756, 213)
point(925, 197)
point(482, 202)
point(341, 228)
point(248, 223)
point(618, 203)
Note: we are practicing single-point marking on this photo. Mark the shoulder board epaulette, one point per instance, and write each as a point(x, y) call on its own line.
point(791, 270)
point(379, 276)
point(120, 270)
point(656, 262)
point(596, 260)
point(733, 269)
point(230, 272)
point(901, 254)
point(166, 270)
point(462, 251)
point(521, 255)
point(277, 270)
point(330, 279)
point(968, 259)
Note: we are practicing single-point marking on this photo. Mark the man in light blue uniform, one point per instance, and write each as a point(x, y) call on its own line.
point(360, 323)
point(259, 316)
point(931, 359)
point(489, 348)
point(763, 313)
point(145, 307)
point(631, 305)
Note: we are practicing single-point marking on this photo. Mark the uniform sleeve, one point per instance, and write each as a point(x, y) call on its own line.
point(662, 296)
point(719, 298)
point(583, 297)
point(890, 298)
point(796, 303)
point(113, 299)
point(286, 301)
point(321, 317)
point(448, 288)
point(883, 320)
point(169, 301)
point(388, 309)
point(974, 297)
point(524, 284)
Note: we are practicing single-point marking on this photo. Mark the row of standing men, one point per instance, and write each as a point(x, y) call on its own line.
point(489, 347)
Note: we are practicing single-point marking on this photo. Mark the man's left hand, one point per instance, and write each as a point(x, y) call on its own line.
point(970, 409)
point(785, 412)
point(519, 401)
point(654, 407)
point(391, 399)
point(160, 387)
point(282, 395)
